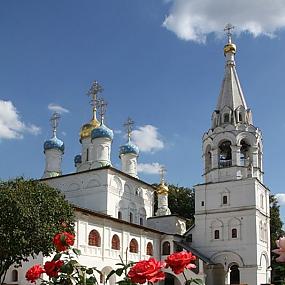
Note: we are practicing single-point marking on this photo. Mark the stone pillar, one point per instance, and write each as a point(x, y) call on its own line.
point(235, 155)
point(215, 158)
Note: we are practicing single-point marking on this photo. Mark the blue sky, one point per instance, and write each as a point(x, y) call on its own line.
point(157, 62)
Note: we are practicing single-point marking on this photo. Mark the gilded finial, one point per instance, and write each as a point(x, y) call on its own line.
point(129, 127)
point(162, 188)
point(54, 122)
point(229, 47)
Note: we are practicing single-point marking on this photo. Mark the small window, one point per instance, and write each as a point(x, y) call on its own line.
point(261, 201)
point(240, 117)
point(131, 217)
point(149, 249)
point(94, 238)
point(217, 234)
point(226, 118)
point(134, 247)
point(225, 200)
point(234, 233)
point(202, 203)
point(87, 154)
point(115, 242)
point(119, 215)
point(166, 248)
point(14, 275)
point(141, 221)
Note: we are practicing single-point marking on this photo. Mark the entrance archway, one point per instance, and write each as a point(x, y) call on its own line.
point(234, 275)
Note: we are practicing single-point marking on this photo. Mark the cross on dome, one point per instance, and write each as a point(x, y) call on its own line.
point(54, 122)
point(94, 90)
point(162, 172)
point(129, 127)
point(102, 106)
point(228, 28)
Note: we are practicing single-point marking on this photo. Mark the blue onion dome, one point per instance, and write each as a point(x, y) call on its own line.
point(77, 158)
point(54, 143)
point(102, 132)
point(129, 147)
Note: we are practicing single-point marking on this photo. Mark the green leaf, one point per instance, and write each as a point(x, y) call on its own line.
point(57, 257)
point(119, 271)
point(76, 251)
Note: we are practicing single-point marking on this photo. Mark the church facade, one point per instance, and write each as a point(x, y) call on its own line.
point(115, 209)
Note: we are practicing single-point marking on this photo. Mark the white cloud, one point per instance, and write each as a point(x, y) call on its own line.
point(57, 108)
point(195, 19)
point(147, 139)
point(281, 199)
point(11, 126)
point(149, 168)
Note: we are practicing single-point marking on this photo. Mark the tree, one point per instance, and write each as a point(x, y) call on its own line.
point(31, 213)
point(181, 201)
point(276, 231)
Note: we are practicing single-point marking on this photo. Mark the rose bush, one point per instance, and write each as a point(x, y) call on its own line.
point(64, 268)
point(179, 261)
point(147, 270)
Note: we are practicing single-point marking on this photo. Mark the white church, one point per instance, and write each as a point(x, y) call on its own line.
point(115, 209)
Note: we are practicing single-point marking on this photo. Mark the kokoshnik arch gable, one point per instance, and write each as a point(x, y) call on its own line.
point(114, 208)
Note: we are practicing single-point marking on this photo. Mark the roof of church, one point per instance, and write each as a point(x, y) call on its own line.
point(102, 168)
point(194, 251)
point(104, 216)
point(231, 94)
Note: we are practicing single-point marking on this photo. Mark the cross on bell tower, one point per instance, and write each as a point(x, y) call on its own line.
point(93, 92)
point(54, 120)
point(228, 28)
point(129, 127)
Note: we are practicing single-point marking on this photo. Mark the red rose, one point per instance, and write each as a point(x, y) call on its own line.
point(63, 241)
point(34, 273)
point(52, 268)
point(147, 270)
point(178, 261)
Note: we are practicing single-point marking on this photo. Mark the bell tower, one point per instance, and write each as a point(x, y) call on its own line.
point(232, 205)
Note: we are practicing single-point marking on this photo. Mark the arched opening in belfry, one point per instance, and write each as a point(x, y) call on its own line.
point(244, 153)
point(208, 159)
point(225, 154)
point(234, 275)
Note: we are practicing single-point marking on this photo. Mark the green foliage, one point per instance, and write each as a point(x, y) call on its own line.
point(31, 213)
point(276, 231)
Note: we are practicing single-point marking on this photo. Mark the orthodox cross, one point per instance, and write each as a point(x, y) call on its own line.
point(93, 92)
point(228, 28)
point(129, 127)
point(102, 105)
point(162, 171)
point(54, 122)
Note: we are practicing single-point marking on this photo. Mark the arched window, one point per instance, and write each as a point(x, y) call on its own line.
point(234, 233)
point(119, 215)
point(87, 154)
point(115, 242)
point(244, 152)
point(149, 249)
point(208, 159)
point(226, 118)
point(141, 221)
point(166, 248)
point(131, 217)
point(225, 157)
point(217, 234)
point(225, 200)
point(14, 275)
point(134, 247)
point(240, 117)
point(94, 238)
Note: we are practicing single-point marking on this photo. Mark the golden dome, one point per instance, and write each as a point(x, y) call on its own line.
point(229, 47)
point(162, 189)
point(86, 129)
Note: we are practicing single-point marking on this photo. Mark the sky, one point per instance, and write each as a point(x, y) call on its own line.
point(160, 62)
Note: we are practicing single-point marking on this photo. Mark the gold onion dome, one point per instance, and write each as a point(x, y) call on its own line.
point(162, 189)
point(86, 129)
point(230, 47)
